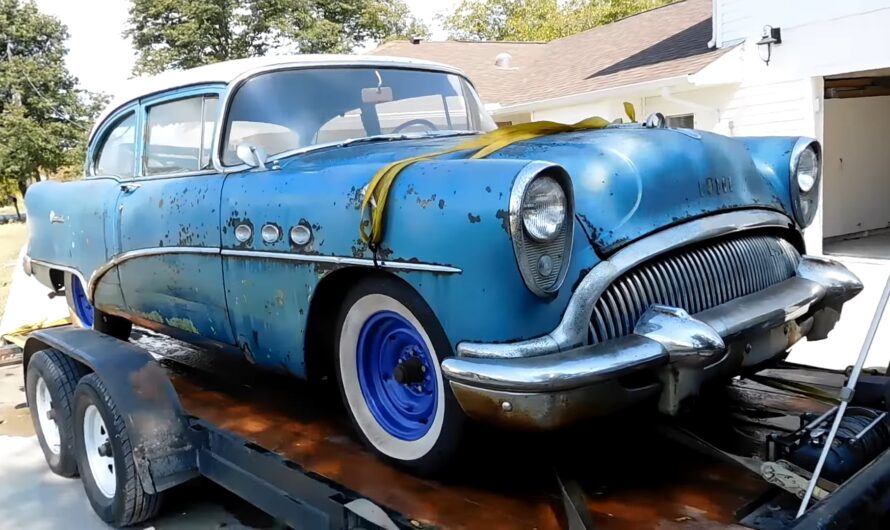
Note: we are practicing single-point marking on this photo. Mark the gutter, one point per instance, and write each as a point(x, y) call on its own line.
point(587, 97)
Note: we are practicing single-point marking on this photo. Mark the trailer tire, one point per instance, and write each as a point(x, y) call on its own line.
point(409, 416)
point(49, 385)
point(84, 315)
point(116, 495)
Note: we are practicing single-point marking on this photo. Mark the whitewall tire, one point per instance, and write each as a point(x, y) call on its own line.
point(389, 350)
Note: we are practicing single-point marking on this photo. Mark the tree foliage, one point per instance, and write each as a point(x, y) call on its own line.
point(44, 118)
point(177, 34)
point(536, 20)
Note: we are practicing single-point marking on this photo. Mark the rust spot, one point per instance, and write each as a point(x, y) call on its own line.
point(441, 204)
point(161, 203)
point(504, 216)
point(426, 202)
point(474, 218)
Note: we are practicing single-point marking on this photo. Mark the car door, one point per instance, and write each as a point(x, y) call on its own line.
point(168, 220)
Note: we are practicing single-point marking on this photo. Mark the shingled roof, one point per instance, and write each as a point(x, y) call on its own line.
point(661, 43)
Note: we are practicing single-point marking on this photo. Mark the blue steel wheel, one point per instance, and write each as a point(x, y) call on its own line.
point(78, 303)
point(396, 375)
point(389, 348)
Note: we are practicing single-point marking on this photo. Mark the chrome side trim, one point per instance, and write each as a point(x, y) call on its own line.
point(342, 260)
point(572, 329)
point(141, 253)
point(63, 268)
point(307, 258)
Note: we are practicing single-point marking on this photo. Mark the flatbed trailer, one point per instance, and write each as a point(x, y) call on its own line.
point(288, 449)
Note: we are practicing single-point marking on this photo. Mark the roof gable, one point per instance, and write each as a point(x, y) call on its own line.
point(665, 42)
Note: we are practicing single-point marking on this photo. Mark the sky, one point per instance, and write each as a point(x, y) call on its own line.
point(102, 59)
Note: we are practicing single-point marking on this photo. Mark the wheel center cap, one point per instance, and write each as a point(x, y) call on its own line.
point(409, 372)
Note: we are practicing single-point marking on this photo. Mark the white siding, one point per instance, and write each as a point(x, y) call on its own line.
point(856, 165)
point(609, 109)
point(736, 20)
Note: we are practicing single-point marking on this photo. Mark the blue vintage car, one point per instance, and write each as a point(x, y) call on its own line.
point(531, 278)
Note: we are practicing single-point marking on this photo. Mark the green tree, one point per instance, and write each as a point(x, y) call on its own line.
point(177, 34)
point(44, 117)
point(536, 20)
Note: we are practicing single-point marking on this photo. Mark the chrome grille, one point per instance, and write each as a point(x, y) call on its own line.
point(695, 279)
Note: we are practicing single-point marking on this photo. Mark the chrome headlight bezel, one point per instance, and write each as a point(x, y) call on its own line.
point(805, 195)
point(532, 252)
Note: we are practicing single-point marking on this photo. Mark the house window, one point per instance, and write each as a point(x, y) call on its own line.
point(681, 121)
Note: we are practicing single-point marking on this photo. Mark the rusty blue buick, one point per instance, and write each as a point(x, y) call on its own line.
point(530, 277)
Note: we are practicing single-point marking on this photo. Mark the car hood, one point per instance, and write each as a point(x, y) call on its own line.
point(629, 181)
point(632, 181)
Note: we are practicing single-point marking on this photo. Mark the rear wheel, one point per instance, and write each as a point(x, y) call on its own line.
point(105, 458)
point(389, 346)
point(84, 315)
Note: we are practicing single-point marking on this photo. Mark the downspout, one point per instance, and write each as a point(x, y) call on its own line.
point(667, 95)
point(715, 23)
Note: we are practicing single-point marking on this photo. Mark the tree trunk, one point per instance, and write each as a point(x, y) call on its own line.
point(23, 187)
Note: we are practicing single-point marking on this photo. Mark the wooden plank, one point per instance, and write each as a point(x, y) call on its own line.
point(631, 476)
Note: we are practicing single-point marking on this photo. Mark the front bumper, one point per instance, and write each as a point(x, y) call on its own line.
point(677, 352)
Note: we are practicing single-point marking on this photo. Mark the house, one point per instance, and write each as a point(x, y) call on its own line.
point(818, 68)
point(698, 63)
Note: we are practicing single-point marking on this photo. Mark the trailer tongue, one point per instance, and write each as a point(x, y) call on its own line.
point(289, 451)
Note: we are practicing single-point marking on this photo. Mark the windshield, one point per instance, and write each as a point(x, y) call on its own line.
point(291, 109)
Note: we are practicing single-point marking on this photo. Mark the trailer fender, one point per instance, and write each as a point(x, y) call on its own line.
point(164, 449)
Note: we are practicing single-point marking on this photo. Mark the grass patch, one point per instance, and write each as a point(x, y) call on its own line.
point(12, 237)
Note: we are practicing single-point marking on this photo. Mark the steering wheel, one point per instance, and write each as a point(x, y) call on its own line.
point(415, 123)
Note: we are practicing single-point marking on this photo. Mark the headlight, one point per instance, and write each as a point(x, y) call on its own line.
point(807, 169)
point(544, 209)
point(806, 172)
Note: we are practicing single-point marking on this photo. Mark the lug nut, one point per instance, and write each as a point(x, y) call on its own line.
point(105, 449)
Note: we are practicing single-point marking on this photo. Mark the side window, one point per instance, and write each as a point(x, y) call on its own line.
point(117, 154)
point(178, 136)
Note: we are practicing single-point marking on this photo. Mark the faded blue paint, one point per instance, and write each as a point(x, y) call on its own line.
point(629, 182)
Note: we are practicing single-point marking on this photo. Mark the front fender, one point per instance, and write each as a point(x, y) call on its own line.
point(456, 212)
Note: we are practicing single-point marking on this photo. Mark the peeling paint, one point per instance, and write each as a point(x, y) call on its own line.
point(474, 218)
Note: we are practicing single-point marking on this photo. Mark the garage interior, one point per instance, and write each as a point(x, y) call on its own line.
point(856, 194)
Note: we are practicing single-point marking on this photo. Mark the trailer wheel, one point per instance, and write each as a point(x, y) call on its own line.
point(52, 377)
point(84, 315)
point(389, 346)
point(105, 458)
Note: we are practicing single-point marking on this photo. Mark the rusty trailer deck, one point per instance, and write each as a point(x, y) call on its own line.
point(616, 473)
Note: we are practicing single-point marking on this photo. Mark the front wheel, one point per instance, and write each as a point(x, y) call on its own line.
point(390, 346)
point(84, 315)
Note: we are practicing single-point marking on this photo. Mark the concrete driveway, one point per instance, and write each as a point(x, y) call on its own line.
point(32, 497)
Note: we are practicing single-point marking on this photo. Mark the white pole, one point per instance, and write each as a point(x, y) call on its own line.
point(846, 395)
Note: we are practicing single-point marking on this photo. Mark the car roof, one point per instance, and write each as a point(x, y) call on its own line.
point(228, 71)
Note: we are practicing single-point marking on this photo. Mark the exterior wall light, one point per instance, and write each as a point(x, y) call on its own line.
point(770, 36)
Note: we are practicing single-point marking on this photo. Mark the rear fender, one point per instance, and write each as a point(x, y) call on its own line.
point(163, 449)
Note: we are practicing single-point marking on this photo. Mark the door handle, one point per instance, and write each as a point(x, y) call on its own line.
point(129, 188)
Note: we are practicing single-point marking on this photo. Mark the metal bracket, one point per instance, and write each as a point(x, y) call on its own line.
point(794, 479)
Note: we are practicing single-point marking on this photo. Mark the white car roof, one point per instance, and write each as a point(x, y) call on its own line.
point(228, 71)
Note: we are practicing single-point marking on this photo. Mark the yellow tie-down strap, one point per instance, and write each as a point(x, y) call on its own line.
point(18, 336)
point(371, 224)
